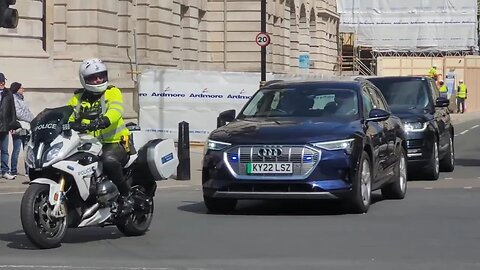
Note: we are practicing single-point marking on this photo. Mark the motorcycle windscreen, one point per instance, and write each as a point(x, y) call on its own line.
point(48, 124)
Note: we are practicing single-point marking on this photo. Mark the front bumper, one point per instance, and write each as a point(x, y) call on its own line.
point(329, 178)
point(420, 147)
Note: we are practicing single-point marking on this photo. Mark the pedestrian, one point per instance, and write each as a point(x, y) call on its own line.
point(20, 135)
point(443, 89)
point(461, 96)
point(433, 73)
point(8, 122)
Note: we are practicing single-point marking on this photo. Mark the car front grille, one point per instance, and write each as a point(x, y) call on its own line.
point(303, 158)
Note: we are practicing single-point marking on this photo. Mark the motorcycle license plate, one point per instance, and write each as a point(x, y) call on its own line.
point(269, 168)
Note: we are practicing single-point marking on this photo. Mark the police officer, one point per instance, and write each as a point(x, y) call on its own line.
point(443, 89)
point(433, 73)
point(461, 96)
point(99, 107)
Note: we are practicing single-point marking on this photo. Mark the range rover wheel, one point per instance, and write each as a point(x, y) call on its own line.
point(447, 164)
point(432, 171)
point(362, 186)
point(219, 205)
point(398, 188)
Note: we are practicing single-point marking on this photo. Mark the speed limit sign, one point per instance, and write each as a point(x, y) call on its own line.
point(262, 39)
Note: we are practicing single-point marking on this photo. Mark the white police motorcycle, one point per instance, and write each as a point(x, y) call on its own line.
point(68, 188)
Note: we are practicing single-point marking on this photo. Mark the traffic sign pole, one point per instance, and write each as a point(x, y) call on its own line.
point(263, 29)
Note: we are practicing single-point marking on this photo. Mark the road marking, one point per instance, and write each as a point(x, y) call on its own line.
point(428, 188)
point(11, 193)
point(463, 132)
point(79, 267)
point(455, 135)
point(448, 178)
point(467, 187)
point(476, 126)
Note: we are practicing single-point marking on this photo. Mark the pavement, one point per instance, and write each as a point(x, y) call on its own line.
point(196, 151)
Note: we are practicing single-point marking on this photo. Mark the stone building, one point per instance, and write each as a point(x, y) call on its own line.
point(54, 36)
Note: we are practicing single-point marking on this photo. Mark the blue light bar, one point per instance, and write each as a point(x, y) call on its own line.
point(233, 158)
point(332, 184)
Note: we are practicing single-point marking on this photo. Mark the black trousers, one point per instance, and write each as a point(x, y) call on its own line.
point(113, 158)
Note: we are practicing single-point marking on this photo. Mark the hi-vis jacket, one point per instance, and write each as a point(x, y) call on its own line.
point(110, 104)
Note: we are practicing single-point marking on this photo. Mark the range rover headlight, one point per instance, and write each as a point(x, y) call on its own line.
point(346, 145)
point(216, 145)
point(415, 126)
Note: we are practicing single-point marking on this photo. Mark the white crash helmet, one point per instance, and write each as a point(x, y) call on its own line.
point(90, 70)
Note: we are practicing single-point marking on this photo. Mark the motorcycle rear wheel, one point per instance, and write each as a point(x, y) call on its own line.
point(41, 229)
point(137, 222)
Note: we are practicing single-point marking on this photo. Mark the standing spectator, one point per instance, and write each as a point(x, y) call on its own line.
point(19, 135)
point(443, 89)
point(461, 96)
point(8, 122)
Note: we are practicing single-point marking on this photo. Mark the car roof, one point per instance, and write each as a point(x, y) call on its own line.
point(397, 78)
point(337, 82)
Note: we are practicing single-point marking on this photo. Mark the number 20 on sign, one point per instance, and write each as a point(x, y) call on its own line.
point(262, 39)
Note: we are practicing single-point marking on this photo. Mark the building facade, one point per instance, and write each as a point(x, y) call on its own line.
point(54, 36)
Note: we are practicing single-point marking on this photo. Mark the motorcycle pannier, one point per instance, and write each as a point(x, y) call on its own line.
point(157, 160)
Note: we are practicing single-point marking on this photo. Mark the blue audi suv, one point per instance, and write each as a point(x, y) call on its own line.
point(306, 140)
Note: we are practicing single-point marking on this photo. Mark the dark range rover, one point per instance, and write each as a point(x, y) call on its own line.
point(314, 140)
point(416, 100)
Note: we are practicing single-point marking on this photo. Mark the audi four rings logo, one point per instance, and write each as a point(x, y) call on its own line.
point(270, 152)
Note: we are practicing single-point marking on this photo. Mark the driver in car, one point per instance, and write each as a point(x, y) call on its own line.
point(98, 107)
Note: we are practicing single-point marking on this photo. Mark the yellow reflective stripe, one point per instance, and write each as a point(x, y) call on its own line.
point(118, 110)
point(111, 133)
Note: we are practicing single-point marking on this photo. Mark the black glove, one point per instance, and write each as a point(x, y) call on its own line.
point(99, 123)
point(77, 126)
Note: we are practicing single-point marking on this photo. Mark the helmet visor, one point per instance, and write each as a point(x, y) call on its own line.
point(96, 78)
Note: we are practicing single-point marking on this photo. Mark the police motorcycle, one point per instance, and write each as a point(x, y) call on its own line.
point(68, 188)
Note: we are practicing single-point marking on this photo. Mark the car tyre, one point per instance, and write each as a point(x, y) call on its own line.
point(219, 205)
point(362, 186)
point(432, 171)
point(398, 189)
point(447, 164)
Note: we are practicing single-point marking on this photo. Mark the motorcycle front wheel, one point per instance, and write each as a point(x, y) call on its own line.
point(43, 230)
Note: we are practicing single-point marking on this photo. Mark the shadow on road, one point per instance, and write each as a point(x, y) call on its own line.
point(18, 239)
point(282, 207)
point(467, 162)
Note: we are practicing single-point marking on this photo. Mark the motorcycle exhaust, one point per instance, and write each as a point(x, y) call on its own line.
point(90, 211)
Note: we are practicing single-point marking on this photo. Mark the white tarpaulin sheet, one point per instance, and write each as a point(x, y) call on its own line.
point(411, 25)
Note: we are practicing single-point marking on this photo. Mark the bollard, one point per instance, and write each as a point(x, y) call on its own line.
point(183, 169)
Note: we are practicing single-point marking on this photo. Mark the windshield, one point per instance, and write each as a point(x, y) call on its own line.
point(399, 94)
point(48, 124)
point(303, 102)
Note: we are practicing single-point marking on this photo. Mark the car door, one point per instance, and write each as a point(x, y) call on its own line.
point(440, 117)
point(389, 134)
point(375, 132)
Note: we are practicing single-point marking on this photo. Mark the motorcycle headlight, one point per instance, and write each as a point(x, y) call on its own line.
point(30, 156)
point(346, 145)
point(52, 152)
point(415, 126)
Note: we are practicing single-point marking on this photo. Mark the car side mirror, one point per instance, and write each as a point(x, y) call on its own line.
point(442, 102)
point(377, 115)
point(225, 117)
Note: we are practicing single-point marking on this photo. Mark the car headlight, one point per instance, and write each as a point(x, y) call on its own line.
point(30, 156)
point(216, 145)
point(53, 152)
point(346, 145)
point(415, 126)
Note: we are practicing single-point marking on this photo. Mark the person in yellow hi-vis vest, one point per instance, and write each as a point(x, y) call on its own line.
point(443, 89)
point(461, 96)
point(433, 73)
point(99, 106)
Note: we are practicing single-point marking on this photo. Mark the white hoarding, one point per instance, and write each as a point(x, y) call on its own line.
point(168, 97)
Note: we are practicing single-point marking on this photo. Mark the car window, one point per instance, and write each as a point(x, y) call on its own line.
point(303, 102)
point(376, 99)
point(435, 92)
point(367, 102)
point(404, 93)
